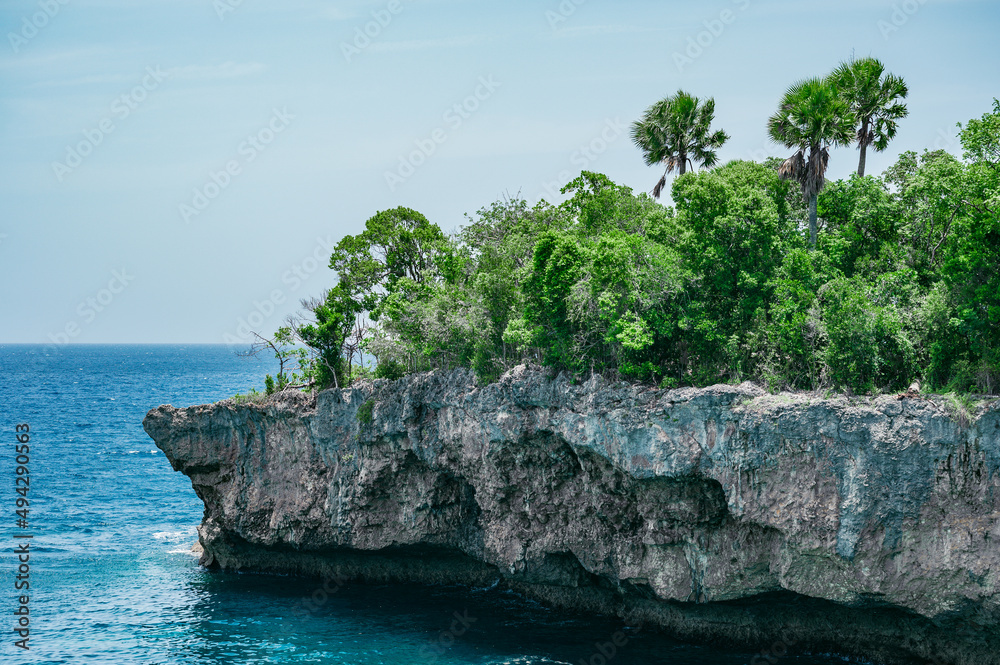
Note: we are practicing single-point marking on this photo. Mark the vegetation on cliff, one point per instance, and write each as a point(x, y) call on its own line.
point(760, 272)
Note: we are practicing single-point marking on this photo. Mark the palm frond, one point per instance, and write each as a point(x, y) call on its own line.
point(676, 131)
point(659, 186)
point(793, 168)
point(873, 96)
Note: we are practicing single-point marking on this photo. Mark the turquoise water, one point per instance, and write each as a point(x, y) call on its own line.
point(113, 580)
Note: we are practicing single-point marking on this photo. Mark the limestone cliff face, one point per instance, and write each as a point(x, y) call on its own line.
point(868, 526)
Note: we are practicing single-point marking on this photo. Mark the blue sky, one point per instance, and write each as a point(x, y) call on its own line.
point(177, 170)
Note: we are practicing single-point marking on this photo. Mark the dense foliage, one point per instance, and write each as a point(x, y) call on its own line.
point(903, 282)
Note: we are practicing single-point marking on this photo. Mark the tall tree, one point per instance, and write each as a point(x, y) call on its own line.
point(396, 244)
point(812, 117)
point(874, 97)
point(676, 131)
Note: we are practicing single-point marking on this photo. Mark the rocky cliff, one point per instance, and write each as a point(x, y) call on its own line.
point(858, 525)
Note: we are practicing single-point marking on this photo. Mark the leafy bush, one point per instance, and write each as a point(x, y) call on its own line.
point(868, 348)
point(365, 412)
point(390, 369)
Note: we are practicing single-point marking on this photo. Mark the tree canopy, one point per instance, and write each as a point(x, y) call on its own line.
point(728, 284)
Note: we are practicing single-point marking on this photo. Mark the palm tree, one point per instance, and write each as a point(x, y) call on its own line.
point(874, 101)
point(676, 132)
point(812, 117)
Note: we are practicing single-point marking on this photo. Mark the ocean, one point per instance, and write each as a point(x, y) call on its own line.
point(112, 578)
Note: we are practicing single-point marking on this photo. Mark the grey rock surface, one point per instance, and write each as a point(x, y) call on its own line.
point(868, 526)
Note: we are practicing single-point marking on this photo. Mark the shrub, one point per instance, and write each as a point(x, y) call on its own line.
point(390, 369)
point(250, 397)
point(365, 412)
point(868, 349)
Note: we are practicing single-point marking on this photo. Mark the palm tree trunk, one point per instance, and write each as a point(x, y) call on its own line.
point(683, 162)
point(863, 144)
point(812, 220)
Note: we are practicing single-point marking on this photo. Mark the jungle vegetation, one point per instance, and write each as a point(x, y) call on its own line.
point(758, 271)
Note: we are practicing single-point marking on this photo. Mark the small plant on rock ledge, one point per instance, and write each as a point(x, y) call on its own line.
point(250, 397)
point(365, 411)
point(961, 407)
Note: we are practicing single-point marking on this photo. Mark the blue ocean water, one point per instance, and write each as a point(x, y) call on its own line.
point(113, 579)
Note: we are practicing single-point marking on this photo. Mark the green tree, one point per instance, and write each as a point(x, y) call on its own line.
point(395, 263)
point(735, 231)
point(972, 267)
point(981, 138)
point(396, 244)
point(500, 241)
point(291, 356)
point(811, 117)
point(874, 98)
point(676, 131)
point(870, 341)
point(333, 319)
point(862, 220)
point(929, 198)
point(794, 335)
point(558, 264)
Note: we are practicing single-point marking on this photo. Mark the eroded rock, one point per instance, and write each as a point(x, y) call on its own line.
point(867, 526)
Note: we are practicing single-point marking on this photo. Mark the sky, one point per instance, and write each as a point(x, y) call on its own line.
point(178, 171)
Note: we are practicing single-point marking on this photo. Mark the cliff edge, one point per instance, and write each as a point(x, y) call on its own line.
point(865, 526)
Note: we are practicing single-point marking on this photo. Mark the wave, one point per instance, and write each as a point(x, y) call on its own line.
point(175, 535)
point(181, 550)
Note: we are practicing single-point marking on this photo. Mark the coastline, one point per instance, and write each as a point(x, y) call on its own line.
point(722, 514)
